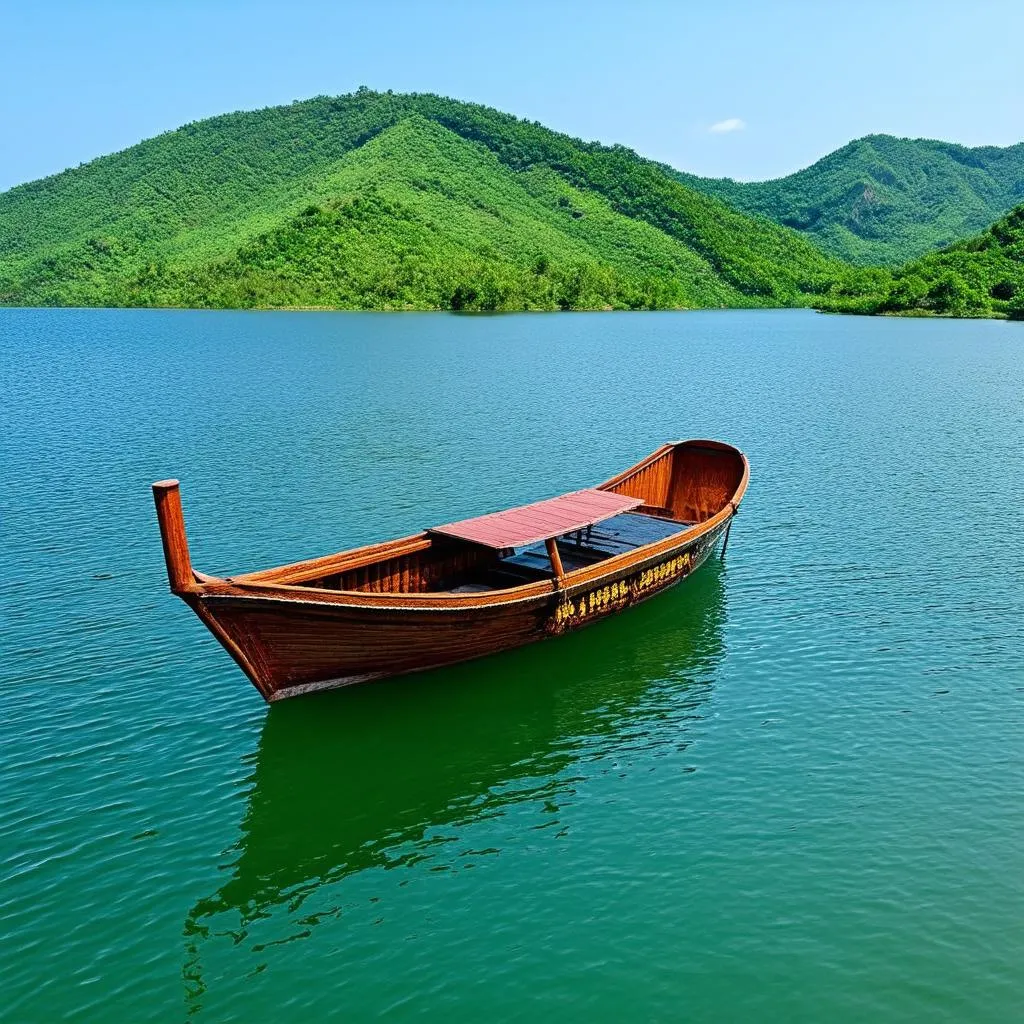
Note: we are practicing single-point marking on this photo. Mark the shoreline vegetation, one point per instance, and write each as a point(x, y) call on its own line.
point(379, 201)
point(980, 277)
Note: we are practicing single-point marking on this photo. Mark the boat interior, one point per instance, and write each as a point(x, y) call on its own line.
point(448, 565)
point(680, 485)
point(581, 548)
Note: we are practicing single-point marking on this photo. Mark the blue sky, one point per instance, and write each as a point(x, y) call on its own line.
point(784, 82)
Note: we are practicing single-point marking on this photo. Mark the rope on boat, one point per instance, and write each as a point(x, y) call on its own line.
point(728, 528)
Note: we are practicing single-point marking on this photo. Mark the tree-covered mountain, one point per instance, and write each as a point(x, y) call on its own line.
point(384, 201)
point(883, 200)
point(979, 277)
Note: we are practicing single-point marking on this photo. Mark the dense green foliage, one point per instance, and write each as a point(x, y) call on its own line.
point(982, 276)
point(883, 200)
point(376, 200)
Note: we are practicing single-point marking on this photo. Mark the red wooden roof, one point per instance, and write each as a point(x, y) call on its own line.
point(528, 524)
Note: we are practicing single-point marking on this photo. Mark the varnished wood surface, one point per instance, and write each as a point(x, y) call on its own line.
point(541, 520)
point(378, 610)
point(167, 495)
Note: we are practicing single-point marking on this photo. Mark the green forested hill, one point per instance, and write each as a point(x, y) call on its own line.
point(982, 276)
point(418, 216)
point(376, 200)
point(883, 200)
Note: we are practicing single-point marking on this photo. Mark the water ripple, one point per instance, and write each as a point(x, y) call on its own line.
point(791, 789)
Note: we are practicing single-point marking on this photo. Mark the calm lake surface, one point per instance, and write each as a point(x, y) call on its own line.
point(792, 789)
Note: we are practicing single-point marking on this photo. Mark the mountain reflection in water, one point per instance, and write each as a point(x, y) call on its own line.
point(355, 779)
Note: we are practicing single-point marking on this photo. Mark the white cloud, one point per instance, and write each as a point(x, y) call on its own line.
point(731, 124)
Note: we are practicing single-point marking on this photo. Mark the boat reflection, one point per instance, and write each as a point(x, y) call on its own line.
point(343, 781)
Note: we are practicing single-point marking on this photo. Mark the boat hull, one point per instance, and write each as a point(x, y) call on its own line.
point(470, 588)
point(289, 647)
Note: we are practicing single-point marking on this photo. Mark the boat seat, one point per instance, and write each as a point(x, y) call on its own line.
point(613, 536)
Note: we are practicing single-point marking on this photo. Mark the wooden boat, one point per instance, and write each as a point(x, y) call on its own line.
point(469, 588)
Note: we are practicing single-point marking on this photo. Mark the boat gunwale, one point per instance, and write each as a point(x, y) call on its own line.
point(585, 577)
point(267, 584)
point(336, 562)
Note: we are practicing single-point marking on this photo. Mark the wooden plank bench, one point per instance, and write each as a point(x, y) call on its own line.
point(613, 536)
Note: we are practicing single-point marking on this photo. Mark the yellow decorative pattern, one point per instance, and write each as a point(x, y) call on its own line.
point(617, 595)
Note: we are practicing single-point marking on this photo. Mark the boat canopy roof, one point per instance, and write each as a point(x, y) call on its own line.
point(529, 524)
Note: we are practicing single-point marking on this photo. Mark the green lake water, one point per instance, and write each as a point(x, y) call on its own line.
point(791, 789)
